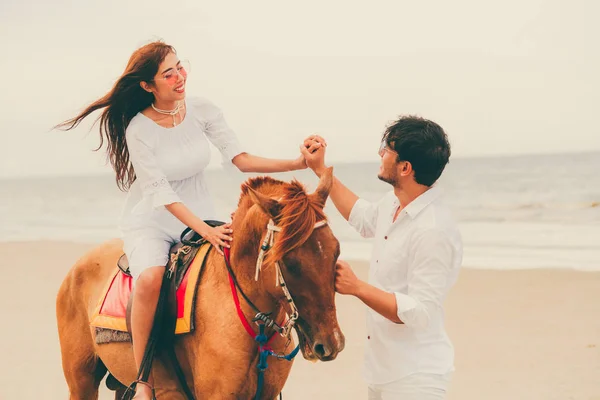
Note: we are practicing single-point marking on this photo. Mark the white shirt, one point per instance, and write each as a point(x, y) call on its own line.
point(417, 258)
point(169, 165)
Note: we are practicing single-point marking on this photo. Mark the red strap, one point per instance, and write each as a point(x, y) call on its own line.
point(239, 309)
point(236, 300)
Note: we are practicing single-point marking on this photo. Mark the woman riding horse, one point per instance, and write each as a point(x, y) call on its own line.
point(158, 147)
point(219, 357)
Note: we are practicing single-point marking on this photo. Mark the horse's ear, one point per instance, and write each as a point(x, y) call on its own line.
point(322, 193)
point(270, 206)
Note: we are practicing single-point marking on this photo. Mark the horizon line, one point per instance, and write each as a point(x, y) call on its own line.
point(217, 167)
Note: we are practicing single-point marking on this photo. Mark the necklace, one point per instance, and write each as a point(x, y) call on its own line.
point(172, 112)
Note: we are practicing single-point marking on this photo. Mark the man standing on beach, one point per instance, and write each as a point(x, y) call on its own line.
point(416, 258)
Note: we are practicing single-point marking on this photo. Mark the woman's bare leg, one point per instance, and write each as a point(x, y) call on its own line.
point(145, 298)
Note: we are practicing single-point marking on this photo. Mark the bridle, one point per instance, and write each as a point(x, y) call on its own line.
point(260, 317)
point(279, 280)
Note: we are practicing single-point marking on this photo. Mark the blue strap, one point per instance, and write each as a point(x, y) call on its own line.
point(263, 355)
point(262, 365)
point(261, 378)
point(288, 357)
point(262, 360)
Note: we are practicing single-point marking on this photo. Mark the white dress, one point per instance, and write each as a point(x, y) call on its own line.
point(169, 164)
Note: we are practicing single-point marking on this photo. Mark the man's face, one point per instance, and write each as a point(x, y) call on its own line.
point(388, 170)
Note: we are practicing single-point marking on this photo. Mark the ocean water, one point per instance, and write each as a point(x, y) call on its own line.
point(539, 211)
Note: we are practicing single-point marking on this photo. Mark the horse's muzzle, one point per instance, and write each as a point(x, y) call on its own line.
point(326, 348)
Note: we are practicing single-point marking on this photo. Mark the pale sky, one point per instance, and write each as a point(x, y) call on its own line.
point(511, 77)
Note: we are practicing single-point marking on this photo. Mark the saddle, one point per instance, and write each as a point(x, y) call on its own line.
point(182, 253)
point(181, 256)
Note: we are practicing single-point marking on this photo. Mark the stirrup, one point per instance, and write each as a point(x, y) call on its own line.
point(132, 388)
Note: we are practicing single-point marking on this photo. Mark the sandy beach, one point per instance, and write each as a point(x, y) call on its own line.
point(529, 334)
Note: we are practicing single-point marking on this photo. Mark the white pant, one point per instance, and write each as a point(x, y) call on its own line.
point(413, 387)
point(147, 248)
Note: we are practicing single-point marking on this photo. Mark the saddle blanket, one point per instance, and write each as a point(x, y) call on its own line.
point(110, 312)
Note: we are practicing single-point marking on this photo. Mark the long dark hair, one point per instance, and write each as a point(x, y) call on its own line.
point(121, 104)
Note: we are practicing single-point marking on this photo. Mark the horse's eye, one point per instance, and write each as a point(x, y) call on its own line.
point(293, 268)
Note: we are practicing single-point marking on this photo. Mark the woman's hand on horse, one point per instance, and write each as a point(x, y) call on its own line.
point(218, 236)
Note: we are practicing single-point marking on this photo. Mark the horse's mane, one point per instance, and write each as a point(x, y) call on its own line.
point(297, 218)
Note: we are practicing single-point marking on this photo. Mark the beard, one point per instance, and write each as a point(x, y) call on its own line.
point(388, 179)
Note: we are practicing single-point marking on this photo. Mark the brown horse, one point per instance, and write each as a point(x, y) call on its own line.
point(219, 358)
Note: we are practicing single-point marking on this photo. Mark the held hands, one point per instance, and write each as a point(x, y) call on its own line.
point(218, 236)
point(313, 152)
point(300, 163)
